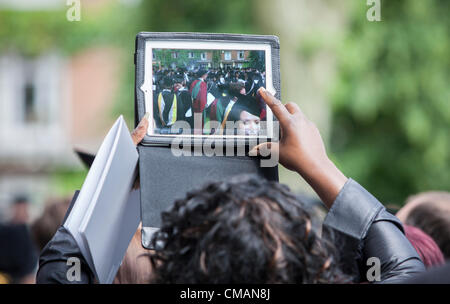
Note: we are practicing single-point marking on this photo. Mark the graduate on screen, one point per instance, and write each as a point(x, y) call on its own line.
point(246, 112)
point(199, 91)
point(165, 108)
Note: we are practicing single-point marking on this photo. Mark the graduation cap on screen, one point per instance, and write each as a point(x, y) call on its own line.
point(245, 103)
point(166, 82)
point(178, 78)
point(201, 72)
point(231, 89)
point(86, 158)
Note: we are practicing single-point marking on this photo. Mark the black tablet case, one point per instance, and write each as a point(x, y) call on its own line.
point(165, 177)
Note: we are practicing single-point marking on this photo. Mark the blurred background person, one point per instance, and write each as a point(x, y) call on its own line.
point(19, 211)
point(136, 266)
point(426, 247)
point(44, 227)
point(430, 212)
point(18, 255)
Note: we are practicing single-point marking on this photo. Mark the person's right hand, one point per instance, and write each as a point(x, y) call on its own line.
point(301, 149)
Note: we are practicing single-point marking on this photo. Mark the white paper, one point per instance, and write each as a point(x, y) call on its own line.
point(209, 99)
point(106, 215)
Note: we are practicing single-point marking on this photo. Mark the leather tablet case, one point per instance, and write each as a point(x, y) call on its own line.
point(165, 178)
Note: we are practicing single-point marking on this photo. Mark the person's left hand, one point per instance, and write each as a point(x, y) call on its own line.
point(137, 136)
point(139, 133)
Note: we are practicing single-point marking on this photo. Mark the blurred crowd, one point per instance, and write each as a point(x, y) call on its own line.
point(425, 217)
point(21, 240)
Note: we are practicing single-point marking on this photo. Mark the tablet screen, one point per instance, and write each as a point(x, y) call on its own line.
point(208, 89)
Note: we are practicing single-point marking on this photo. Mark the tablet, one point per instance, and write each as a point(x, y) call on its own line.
point(200, 90)
point(199, 86)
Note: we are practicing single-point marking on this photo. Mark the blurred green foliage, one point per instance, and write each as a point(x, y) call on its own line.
point(391, 102)
point(199, 16)
point(64, 181)
point(257, 60)
point(34, 32)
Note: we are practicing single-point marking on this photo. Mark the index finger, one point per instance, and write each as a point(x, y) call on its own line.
point(278, 109)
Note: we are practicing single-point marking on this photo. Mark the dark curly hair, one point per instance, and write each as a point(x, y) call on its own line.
point(245, 230)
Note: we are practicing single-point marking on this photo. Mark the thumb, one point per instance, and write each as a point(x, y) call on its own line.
point(139, 133)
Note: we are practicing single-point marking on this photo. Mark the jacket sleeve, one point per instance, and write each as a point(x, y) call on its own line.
point(61, 262)
point(371, 237)
point(435, 275)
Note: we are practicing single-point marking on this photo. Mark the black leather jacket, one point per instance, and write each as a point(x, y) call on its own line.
point(357, 218)
point(368, 231)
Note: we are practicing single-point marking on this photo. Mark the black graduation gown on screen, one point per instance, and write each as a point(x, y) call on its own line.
point(254, 86)
point(156, 118)
point(169, 99)
point(248, 85)
point(245, 103)
point(214, 90)
point(184, 104)
point(164, 119)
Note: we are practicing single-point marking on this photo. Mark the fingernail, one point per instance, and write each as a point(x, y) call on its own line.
point(262, 91)
point(147, 115)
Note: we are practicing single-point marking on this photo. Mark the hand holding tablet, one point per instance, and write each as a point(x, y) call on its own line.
point(301, 149)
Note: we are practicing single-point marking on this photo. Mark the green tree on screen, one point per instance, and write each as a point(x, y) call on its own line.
point(216, 59)
point(257, 60)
